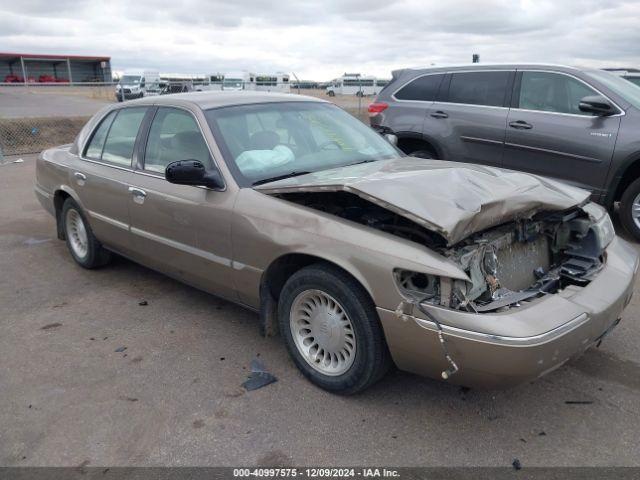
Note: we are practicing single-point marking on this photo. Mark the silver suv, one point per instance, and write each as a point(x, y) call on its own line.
point(578, 125)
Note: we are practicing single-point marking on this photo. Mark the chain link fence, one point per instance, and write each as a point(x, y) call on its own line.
point(19, 136)
point(25, 135)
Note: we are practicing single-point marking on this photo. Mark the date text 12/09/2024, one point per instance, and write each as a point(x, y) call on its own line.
point(316, 472)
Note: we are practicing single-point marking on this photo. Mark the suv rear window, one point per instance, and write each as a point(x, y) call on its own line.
point(423, 89)
point(479, 88)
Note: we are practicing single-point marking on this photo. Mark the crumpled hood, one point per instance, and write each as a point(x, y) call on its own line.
point(450, 198)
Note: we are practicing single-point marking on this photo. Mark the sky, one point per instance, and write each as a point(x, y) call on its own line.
point(320, 40)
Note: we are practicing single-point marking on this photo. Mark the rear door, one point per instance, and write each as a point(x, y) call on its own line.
point(411, 104)
point(547, 133)
point(103, 174)
point(182, 230)
point(468, 120)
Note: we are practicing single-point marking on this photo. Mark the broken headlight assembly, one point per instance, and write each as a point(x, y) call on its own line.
point(602, 225)
point(418, 287)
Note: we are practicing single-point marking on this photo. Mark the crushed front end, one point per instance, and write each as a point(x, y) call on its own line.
point(539, 291)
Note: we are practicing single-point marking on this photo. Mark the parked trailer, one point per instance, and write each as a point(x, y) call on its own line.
point(213, 81)
point(272, 82)
point(355, 84)
point(239, 81)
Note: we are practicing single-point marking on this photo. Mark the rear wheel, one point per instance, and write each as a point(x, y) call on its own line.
point(331, 330)
point(85, 249)
point(630, 209)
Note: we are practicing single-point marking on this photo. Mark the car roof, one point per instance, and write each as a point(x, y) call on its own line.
point(216, 99)
point(500, 66)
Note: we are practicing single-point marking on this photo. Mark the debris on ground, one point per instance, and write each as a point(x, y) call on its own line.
point(5, 161)
point(35, 241)
point(516, 464)
point(120, 349)
point(259, 376)
point(198, 423)
point(50, 326)
point(143, 303)
point(542, 433)
point(578, 402)
point(128, 399)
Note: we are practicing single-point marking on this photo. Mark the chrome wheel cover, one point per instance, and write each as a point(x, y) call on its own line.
point(322, 332)
point(76, 233)
point(635, 211)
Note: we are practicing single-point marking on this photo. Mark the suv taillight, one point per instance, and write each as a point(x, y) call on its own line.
point(376, 108)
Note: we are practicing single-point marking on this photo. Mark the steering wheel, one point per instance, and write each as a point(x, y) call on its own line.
point(330, 142)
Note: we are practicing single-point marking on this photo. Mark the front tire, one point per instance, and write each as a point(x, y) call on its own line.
point(630, 209)
point(332, 330)
point(85, 249)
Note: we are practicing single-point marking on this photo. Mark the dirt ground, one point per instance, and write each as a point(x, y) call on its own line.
point(90, 377)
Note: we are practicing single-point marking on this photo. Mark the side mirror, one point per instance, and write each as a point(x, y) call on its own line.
point(596, 104)
point(193, 172)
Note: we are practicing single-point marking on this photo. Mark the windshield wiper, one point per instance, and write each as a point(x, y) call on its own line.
point(278, 177)
point(369, 160)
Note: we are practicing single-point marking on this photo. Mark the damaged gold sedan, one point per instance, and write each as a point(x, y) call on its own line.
point(359, 256)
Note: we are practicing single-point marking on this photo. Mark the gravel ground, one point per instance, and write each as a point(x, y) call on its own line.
point(71, 395)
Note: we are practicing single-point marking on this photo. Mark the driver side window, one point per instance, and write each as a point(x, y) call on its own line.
point(174, 135)
point(552, 92)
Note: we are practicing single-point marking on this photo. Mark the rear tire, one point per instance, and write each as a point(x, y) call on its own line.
point(332, 330)
point(630, 209)
point(85, 249)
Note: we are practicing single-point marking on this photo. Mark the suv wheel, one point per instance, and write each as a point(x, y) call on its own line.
point(331, 330)
point(630, 209)
point(85, 249)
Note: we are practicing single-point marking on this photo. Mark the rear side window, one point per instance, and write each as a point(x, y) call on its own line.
point(552, 92)
point(94, 149)
point(174, 136)
point(479, 88)
point(422, 89)
point(118, 148)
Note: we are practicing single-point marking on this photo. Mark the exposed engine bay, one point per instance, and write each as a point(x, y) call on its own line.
point(508, 265)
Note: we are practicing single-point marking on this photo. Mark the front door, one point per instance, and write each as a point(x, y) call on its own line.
point(184, 231)
point(547, 134)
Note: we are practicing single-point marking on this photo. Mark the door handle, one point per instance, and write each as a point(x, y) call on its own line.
point(80, 178)
point(521, 125)
point(138, 194)
point(440, 114)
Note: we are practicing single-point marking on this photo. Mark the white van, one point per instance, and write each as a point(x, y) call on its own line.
point(239, 81)
point(353, 84)
point(137, 84)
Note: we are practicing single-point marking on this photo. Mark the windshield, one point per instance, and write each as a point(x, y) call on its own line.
point(130, 79)
point(624, 88)
point(265, 141)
